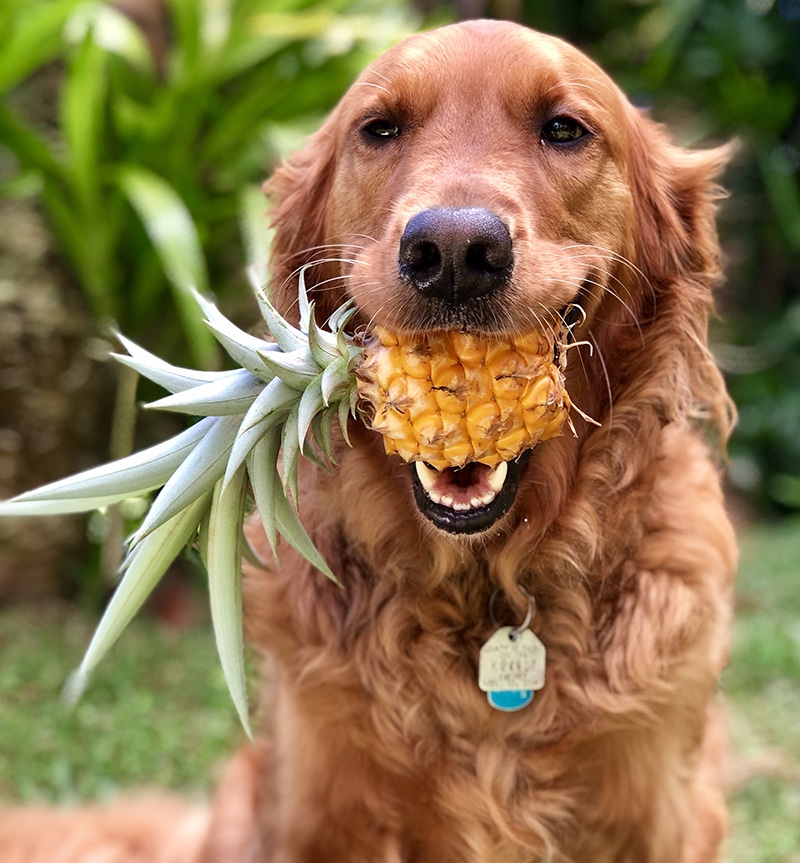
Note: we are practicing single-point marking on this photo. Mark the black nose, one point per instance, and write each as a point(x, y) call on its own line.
point(456, 254)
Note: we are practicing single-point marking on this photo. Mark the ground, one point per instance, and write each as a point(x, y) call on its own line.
point(158, 713)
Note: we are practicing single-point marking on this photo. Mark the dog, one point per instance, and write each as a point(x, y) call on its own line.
point(546, 200)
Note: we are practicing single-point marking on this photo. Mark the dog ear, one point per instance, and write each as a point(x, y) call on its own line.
point(299, 189)
point(653, 332)
point(676, 196)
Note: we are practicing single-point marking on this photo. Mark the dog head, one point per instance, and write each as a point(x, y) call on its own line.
point(490, 179)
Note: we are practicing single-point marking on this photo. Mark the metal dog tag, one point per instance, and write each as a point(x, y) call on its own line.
point(511, 668)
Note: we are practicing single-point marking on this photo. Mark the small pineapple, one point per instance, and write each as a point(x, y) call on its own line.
point(451, 398)
point(446, 399)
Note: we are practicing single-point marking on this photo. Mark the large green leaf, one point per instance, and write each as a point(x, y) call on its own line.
point(31, 39)
point(82, 104)
point(172, 231)
point(28, 146)
point(114, 32)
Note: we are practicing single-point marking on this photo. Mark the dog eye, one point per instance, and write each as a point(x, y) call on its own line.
point(563, 130)
point(381, 130)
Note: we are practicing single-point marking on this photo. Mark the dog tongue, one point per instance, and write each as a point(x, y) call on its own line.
point(470, 487)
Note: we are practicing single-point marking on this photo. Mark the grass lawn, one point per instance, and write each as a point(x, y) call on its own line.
point(763, 692)
point(158, 713)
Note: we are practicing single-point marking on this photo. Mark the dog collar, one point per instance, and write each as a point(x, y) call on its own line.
point(511, 666)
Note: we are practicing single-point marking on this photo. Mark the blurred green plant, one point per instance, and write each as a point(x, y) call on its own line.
point(141, 171)
point(763, 379)
point(143, 146)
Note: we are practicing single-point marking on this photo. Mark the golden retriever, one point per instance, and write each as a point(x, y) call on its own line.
point(487, 178)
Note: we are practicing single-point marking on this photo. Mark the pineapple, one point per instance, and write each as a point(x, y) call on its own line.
point(447, 399)
point(451, 398)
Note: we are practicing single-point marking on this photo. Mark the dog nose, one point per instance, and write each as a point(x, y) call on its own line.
point(456, 254)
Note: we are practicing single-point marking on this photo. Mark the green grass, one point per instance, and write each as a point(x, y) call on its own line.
point(762, 686)
point(158, 713)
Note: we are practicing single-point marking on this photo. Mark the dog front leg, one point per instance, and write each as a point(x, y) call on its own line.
point(331, 801)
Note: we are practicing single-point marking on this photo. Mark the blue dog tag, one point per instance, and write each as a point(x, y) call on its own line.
point(510, 700)
point(511, 668)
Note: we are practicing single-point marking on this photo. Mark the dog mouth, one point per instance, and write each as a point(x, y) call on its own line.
point(466, 500)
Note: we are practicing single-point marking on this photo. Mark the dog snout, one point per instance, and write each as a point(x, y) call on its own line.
point(456, 255)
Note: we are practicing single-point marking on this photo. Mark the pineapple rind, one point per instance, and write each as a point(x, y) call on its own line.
point(451, 398)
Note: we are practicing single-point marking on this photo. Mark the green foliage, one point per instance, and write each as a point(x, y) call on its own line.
point(763, 378)
point(158, 715)
point(141, 172)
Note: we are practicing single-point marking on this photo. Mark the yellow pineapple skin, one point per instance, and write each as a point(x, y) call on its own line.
point(449, 398)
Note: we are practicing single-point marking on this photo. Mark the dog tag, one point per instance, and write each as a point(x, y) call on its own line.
point(509, 700)
point(511, 668)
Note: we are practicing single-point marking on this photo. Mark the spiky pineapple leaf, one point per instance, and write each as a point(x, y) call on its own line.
point(277, 514)
point(304, 303)
point(297, 369)
point(337, 322)
point(290, 453)
point(142, 570)
point(321, 427)
point(226, 396)
point(224, 586)
point(268, 409)
point(287, 337)
point(347, 408)
point(261, 467)
point(174, 379)
point(111, 483)
point(243, 348)
point(336, 381)
point(279, 403)
point(195, 476)
point(323, 350)
point(292, 530)
point(311, 403)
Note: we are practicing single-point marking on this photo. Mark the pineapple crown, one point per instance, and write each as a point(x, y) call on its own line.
point(256, 421)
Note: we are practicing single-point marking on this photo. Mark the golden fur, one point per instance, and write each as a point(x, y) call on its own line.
point(381, 747)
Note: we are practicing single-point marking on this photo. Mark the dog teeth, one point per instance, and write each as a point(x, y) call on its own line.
point(498, 477)
point(427, 477)
point(495, 479)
